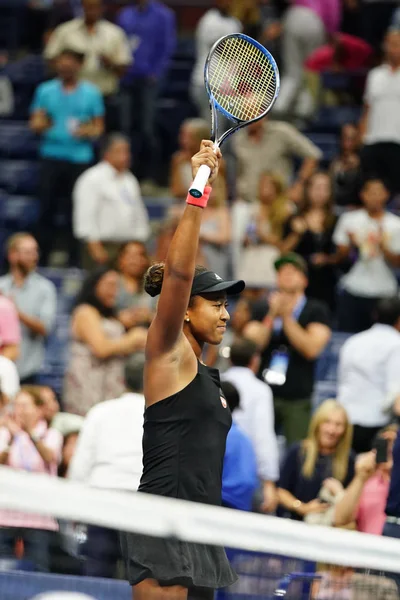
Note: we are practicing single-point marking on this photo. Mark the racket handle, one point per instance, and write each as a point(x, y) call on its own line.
point(200, 181)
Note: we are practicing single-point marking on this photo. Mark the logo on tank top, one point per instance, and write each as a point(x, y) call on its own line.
point(223, 401)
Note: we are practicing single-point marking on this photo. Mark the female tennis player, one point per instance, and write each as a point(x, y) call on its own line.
point(186, 419)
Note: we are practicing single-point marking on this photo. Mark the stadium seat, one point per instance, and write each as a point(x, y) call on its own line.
point(327, 142)
point(19, 177)
point(17, 140)
point(331, 118)
point(30, 70)
point(20, 212)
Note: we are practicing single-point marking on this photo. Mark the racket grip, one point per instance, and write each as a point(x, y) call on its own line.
point(200, 181)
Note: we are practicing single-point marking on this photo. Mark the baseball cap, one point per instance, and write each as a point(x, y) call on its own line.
point(209, 282)
point(291, 258)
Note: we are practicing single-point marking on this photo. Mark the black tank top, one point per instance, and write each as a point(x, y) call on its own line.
point(184, 441)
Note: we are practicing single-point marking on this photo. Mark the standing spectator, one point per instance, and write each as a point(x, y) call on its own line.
point(27, 443)
point(380, 124)
point(109, 456)
point(255, 416)
point(150, 27)
point(214, 24)
point(96, 367)
point(368, 374)
point(108, 206)
point(345, 169)
point(374, 234)
point(324, 454)
point(292, 336)
point(10, 331)
point(35, 298)
point(106, 49)
point(310, 235)
point(68, 115)
point(306, 26)
point(239, 475)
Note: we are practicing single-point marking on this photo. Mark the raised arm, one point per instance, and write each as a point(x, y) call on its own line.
point(180, 263)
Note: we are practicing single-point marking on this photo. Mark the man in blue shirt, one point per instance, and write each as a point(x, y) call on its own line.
point(151, 30)
point(239, 477)
point(68, 114)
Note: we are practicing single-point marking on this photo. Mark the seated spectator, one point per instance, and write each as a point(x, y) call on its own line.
point(68, 115)
point(239, 475)
point(255, 416)
point(108, 205)
point(35, 298)
point(344, 52)
point(309, 234)
point(26, 443)
point(345, 169)
point(106, 49)
point(10, 331)
point(291, 338)
point(264, 233)
point(68, 452)
point(325, 453)
point(215, 23)
point(51, 407)
point(374, 234)
point(134, 306)
point(99, 345)
point(364, 501)
point(215, 235)
point(109, 456)
point(368, 375)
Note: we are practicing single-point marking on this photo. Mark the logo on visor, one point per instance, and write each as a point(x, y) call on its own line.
point(218, 277)
point(223, 401)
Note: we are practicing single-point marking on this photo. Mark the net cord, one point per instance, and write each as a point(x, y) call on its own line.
point(168, 517)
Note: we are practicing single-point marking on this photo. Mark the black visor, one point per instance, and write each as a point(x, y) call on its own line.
point(209, 282)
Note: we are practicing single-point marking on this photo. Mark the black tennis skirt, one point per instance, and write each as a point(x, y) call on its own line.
point(172, 562)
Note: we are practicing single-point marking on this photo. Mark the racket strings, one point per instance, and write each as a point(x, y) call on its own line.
point(242, 79)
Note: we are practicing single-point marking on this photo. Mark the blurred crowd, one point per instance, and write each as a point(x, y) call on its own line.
point(316, 239)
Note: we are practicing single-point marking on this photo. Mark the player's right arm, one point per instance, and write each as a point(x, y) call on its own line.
point(167, 326)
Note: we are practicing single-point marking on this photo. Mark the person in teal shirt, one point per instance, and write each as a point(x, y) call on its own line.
point(68, 114)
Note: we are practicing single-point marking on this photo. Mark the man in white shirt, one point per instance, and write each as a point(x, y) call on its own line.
point(374, 234)
point(255, 415)
point(214, 24)
point(106, 48)
point(109, 455)
point(369, 375)
point(108, 206)
point(380, 124)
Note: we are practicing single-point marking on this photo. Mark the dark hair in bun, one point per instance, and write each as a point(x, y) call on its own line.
point(155, 275)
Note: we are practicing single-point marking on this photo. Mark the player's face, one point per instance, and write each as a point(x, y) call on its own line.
point(374, 196)
point(107, 288)
point(319, 191)
point(331, 431)
point(208, 318)
point(290, 279)
point(134, 260)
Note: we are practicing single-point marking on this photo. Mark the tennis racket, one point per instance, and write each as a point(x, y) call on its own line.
point(242, 82)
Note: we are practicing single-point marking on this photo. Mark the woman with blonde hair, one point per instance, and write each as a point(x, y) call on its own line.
point(325, 455)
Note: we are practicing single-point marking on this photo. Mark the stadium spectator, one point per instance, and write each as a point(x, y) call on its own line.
point(95, 371)
point(134, 306)
point(27, 443)
point(106, 50)
point(380, 124)
point(35, 298)
point(263, 233)
point(255, 416)
point(214, 24)
point(150, 27)
point(291, 337)
point(374, 234)
point(307, 24)
point(345, 169)
point(9, 382)
point(68, 451)
point(239, 475)
point(68, 115)
point(368, 375)
point(109, 456)
point(309, 234)
point(392, 524)
point(364, 501)
point(108, 206)
point(10, 331)
point(324, 454)
point(51, 407)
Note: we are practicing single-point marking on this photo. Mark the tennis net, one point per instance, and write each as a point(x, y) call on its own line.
point(274, 558)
